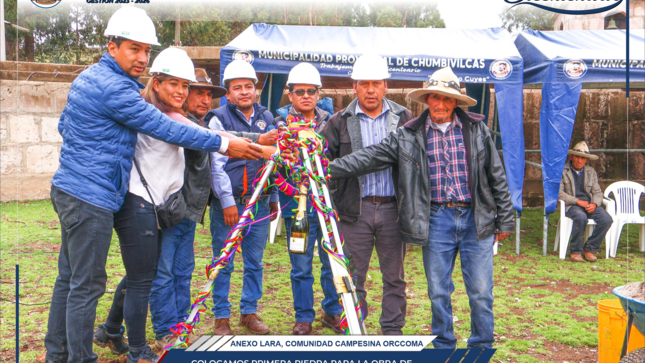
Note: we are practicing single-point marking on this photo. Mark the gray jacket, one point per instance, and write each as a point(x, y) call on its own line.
point(405, 151)
point(343, 135)
point(568, 188)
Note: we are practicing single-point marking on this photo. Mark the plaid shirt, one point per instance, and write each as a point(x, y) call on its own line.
point(448, 165)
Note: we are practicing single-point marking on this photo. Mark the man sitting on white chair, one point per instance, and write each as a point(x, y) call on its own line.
point(580, 191)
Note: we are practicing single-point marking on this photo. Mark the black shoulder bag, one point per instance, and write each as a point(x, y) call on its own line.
point(172, 211)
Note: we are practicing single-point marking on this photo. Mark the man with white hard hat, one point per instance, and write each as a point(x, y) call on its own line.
point(99, 126)
point(304, 84)
point(453, 199)
point(232, 186)
point(367, 204)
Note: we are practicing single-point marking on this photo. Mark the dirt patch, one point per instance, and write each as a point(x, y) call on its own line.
point(568, 288)
point(52, 224)
point(634, 290)
point(564, 353)
point(558, 352)
point(513, 258)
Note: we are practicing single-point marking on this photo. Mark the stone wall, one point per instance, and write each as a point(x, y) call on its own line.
point(602, 121)
point(31, 143)
point(597, 21)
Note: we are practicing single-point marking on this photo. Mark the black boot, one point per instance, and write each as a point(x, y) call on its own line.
point(114, 341)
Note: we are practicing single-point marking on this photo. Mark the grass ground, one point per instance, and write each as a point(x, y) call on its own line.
point(545, 308)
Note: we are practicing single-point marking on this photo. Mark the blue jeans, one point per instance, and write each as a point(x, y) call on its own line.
point(580, 217)
point(302, 277)
point(252, 254)
point(453, 230)
point(86, 232)
point(170, 294)
point(139, 239)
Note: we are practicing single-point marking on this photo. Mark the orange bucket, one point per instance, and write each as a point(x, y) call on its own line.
point(612, 322)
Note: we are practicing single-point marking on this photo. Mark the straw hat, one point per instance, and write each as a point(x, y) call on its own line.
point(444, 82)
point(204, 81)
point(581, 149)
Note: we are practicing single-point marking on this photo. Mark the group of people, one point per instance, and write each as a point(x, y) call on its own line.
point(131, 152)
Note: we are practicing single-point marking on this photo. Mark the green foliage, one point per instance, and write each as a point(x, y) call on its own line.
point(67, 33)
point(73, 33)
point(519, 18)
point(410, 15)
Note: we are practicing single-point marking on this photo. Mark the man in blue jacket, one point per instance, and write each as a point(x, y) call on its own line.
point(99, 126)
point(232, 184)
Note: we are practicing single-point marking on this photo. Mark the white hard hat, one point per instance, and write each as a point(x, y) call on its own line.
point(132, 23)
point(370, 67)
point(174, 62)
point(304, 73)
point(239, 69)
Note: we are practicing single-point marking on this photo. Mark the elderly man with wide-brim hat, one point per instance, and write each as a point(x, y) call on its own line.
point(580, 191)
point(452, 197)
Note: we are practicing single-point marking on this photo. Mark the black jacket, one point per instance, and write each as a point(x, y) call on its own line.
point(197, 181)
point(197, 176)
point(343, 134)
point(405, 151)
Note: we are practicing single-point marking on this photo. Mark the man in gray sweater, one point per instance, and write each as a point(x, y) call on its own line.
point(580, 191)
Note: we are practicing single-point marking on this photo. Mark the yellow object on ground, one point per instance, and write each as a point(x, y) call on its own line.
point(612, 322)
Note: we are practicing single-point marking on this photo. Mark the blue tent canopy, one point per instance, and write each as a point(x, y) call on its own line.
point(562, 61)
point(478, 58)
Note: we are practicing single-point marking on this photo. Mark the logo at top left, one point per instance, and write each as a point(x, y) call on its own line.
point(46, 4)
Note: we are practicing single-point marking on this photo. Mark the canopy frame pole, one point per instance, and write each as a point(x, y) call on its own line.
point(270, 91)
point(518, 215)
point(545, 233)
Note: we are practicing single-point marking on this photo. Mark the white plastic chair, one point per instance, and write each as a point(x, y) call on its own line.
point(626, 210)
point(565, 226)
point(276, 226)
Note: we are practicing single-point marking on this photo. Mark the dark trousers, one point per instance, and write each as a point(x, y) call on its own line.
point(580, 216)
point(302, 276)
point(140, 241)
point(378, 227)
point(86, 232)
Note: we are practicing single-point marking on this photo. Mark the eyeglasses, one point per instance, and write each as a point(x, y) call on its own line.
point(301, 92)
point(452, 84)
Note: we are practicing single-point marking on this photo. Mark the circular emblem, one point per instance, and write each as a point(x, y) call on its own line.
point(46, 4)
point(501, 69)
point(575, 68)
point(244, 55)
point(262, 125)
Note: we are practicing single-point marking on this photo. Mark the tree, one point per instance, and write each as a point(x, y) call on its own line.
point(407, 15)
point(518, 18)
point(73, 32)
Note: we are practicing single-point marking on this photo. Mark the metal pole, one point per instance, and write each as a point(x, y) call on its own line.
point(270, 91)
point(334, 226)
point(518, 215)
point(235, 233)
point(17, 312)
point(337, 269)
point(545, 234)
point(177, 29)
point(3, 50)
